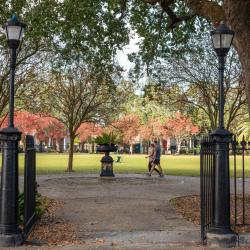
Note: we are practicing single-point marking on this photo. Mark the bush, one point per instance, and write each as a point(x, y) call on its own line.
point(40, 207)
point(197, 149)
point(191, 151)
point(183, 151)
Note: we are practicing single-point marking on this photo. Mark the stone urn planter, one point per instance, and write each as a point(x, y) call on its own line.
point(107, 160)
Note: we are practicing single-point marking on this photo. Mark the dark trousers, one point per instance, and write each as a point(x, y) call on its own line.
point(150, 166)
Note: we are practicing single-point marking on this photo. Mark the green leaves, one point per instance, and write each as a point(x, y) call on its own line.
point(107, 138)
point(160, 38)
point(93, 34)
point(40, 206)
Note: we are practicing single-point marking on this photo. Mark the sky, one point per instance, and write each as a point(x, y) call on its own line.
point(122, 55)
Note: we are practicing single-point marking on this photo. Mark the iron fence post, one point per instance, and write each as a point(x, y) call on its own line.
point(221, 204)
point(29, 185)
point(220, 233)
point(10, 234)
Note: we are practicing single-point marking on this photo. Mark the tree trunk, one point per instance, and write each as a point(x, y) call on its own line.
point(178, 148)
point(178, 142)
point(147, 147)
point(238, 18)
point(40, 149)
point(71, 152)
point(59, 145)
point(82, 147)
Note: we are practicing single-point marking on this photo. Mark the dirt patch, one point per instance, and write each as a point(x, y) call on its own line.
point(189, 208)
point(52, 231)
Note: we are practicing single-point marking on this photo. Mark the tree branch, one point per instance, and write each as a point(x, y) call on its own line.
point(210, 10)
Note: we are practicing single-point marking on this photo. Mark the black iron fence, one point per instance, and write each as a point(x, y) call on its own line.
point(238, 150)
point(239, 199)
point(29, 185)
point(207, 170)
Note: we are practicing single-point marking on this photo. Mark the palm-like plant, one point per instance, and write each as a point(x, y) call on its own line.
point(244, 129)
point(106, 139)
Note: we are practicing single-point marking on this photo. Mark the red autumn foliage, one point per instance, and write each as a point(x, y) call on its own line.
point(146, 132)
point(128, 126)
point(26, 122)
point(87, 130)
point(33, 124)
point(179, 127)
point(49, 127)
point(152, 130)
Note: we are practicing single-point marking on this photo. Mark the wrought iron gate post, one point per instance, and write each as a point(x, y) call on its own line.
point(221, 216)
point(220, 232)
point(10, 234)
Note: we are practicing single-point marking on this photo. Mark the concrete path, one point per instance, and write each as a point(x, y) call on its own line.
point(127, 212)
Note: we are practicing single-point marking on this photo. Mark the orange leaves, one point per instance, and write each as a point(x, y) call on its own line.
point(88, 129)
point(151, 130)
point(128, 126)
point(179, 126)
point(26, 122)
point(34, 124)
point(146, 132)
point(50, 127)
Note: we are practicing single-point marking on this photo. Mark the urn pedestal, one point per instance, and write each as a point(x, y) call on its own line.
point(107, 160)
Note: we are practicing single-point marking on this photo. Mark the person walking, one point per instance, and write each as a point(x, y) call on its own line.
point(150, 158)
point(156, 160)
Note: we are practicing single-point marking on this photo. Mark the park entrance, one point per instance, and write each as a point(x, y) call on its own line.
point(134, 207)
point(236, 182)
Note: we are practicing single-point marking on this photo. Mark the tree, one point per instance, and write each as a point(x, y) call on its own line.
point(31, 53)
point(26, 122)
point(128, 126)
point(87, 130)
point(49, 127)
point(179, 127)
point(190, 85)
point(55, 38)
point(199, 79)
point(169, 23)
point(81, 96)
point(38, 125)
point(151, 130)
point(244, 130)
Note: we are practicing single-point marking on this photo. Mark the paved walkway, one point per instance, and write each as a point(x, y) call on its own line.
point(126, 212)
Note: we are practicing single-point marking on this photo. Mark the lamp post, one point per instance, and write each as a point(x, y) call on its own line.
point(222, 39)
point(10, 234)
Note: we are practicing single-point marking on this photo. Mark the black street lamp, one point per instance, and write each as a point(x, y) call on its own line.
point(14, 32)
point(10, 234)
point(222, 39)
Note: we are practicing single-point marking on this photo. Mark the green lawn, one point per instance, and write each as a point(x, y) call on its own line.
point(90, 163)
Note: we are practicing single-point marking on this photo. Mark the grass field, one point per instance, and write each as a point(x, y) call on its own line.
point(185, 165)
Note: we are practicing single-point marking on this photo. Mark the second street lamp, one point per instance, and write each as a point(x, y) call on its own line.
point(10, 234)
point(222, 39)
point(14, 33)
